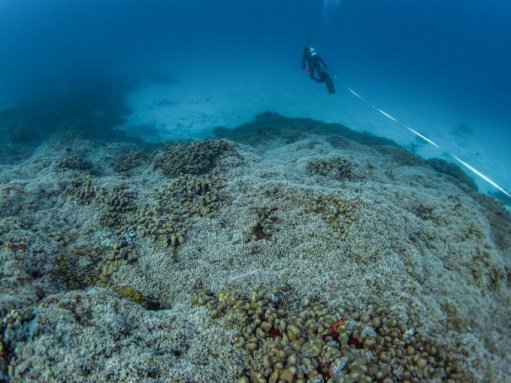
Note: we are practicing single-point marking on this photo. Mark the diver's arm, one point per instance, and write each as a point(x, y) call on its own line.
point(323, 63)
point(303, 62)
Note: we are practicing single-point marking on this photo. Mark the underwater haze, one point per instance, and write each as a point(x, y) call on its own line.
point(181, 202)
point(440, 67)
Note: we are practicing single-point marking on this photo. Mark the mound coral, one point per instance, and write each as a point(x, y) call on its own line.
point(292, 339)
point(335, 168)
point(196, 158)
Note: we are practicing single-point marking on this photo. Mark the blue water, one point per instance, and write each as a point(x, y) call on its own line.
point(441, 67)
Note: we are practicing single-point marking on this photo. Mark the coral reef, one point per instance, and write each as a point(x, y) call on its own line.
point(499, 219)
point(196, 158)
point(75, 269)
point(75, 163)
point(338, 142)
point(265, 225)
point(130, 160)
point(120, 254)
point(334, 168)
point(216, 261)
point(119, 204)
point(135, 296)
point(402, 157)
point(8, 337)
point(454, 172)
point(502, 198)
point(185, 198)
point(12, 199)
point(292, 339)
point(92, 108)
point(272, 126)
point(338, 214)
point(81, 189)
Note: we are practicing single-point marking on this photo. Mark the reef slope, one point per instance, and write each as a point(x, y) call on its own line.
point(283, 250)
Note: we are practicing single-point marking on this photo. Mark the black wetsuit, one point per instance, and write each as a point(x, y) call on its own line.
point(316, 65)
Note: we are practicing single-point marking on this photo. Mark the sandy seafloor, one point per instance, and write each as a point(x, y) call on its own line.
point(124, 262)
point(231, 94)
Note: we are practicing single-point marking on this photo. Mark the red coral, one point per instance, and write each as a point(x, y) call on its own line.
point(259, 233)
point(333, 331)
point(16, 246)
point(355, 342)
point(274, 333)
point(324, 369)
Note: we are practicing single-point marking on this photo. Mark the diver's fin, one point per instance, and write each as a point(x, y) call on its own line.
point(329, 83)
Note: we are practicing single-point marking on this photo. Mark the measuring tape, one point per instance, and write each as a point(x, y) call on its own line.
point(430, 141)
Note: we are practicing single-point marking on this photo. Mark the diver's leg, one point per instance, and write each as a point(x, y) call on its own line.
point(312, 71)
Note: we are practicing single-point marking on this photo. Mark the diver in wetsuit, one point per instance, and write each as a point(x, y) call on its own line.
point(314, 64)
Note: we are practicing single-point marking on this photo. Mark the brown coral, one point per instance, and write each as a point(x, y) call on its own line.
point(195, 158)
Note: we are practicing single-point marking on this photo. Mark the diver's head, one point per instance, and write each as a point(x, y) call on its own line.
point(312, 52)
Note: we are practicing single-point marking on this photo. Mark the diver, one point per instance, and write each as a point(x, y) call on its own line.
point(314, 64)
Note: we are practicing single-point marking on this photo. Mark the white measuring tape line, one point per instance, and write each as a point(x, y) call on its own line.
point(423, 137)
point(486, 178)
point(468, 166)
